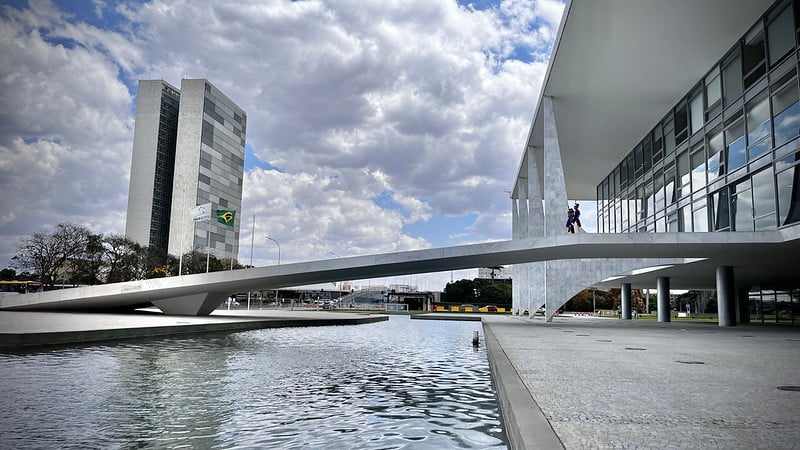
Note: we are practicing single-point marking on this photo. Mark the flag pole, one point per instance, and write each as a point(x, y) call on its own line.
point(208, 245)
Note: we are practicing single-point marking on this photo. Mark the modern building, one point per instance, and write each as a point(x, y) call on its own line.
point(675, 117)
point(152, 163)
point(188, 151)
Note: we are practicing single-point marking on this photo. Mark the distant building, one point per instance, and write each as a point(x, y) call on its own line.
point(188, 149)
point(499, 273)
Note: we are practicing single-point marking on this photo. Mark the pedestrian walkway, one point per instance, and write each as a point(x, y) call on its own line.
point(593, 383)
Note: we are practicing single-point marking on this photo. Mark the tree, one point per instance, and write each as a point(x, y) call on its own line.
point(122, 258)
point(195, 262)
point(89, 266)
point(47, 254)
point(460, 291)
point(8, 274)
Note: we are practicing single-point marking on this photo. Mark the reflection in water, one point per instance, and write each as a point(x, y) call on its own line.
point(397, 384)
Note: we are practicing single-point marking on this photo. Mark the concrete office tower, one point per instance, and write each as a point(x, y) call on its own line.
point(209, 166)
point(152, 163)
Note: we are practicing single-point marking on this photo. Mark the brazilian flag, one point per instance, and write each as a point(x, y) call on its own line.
point(225, 216)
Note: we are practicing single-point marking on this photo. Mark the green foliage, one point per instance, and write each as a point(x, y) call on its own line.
point(478, 291)
point(8, 274)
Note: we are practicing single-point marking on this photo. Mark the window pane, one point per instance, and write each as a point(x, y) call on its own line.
point(742, 203)
point(700, 216)
point(757, 117)
point(696, 112)
point(789, 195)
point(658, 188)
point(765, 223)
point(669, 185)
point(763, 193)
point(685, 218)
point(698, 168)
point(683, 174)
point(713, 89)
point(780, 34)
point(720, 206)
point(672, 223)
point(786, 110)
point(649, 201)
point(734, 141)
point(715, 148)
point(732, 80)
point(753, 56)
point(681, 123)
point(658, 143)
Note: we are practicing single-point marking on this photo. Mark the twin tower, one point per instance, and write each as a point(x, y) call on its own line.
point(188, 150)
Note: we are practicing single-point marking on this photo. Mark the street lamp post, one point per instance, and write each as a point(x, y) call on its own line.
point(277, 303)
point(279, 248)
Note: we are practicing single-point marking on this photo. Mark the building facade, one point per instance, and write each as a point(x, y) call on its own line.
point(209, 167)
point(677, 117)
point(188, 150)
point(152, 164)
point(725, 158)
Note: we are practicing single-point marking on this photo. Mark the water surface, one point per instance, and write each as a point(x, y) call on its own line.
point(396, 384)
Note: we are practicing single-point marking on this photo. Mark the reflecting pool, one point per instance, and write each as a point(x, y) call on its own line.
point(397, 384)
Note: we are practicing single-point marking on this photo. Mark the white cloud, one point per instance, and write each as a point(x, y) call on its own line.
point(349, 98)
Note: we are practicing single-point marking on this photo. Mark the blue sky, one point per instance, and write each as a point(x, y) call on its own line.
point(395, 126)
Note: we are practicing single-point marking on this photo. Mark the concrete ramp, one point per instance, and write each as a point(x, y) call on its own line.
point(757, 257)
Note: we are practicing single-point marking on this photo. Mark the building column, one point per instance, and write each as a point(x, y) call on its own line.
point(626, 301)
point(743, 298)
point(663, 299)
point(555, 188)
point(516, 270)
point(726, 296)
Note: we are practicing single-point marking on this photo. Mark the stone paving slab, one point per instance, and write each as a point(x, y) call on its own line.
point(643, 384)
point(27, 328)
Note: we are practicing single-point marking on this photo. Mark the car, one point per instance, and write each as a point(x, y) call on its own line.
point(540, 310)
point(491, 308)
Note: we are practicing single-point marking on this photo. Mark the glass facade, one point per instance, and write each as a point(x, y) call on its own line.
point(775, 306)
point(165, 165)
point(727, 156)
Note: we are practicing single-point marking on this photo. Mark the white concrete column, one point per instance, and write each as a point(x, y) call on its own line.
point(726, 296)
point(516, 270)
point(663, 299)
point(535, 272)
point(555, 188)
point(626, 301)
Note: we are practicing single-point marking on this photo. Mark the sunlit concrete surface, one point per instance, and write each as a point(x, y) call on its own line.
point(27, 328)
point(580, 383)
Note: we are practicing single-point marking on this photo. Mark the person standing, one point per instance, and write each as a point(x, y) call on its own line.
point(577, 215)
point(570, 218)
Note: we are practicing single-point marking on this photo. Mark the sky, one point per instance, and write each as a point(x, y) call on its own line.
point(373, 126)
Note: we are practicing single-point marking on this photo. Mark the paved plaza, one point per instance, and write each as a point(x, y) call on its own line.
point(607, 383)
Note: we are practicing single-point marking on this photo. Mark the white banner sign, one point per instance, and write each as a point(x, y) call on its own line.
point(201, 213)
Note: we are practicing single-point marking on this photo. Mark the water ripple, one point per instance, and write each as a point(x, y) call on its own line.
point(389, 385)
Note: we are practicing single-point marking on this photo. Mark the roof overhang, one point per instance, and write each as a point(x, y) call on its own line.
point(616, 69)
